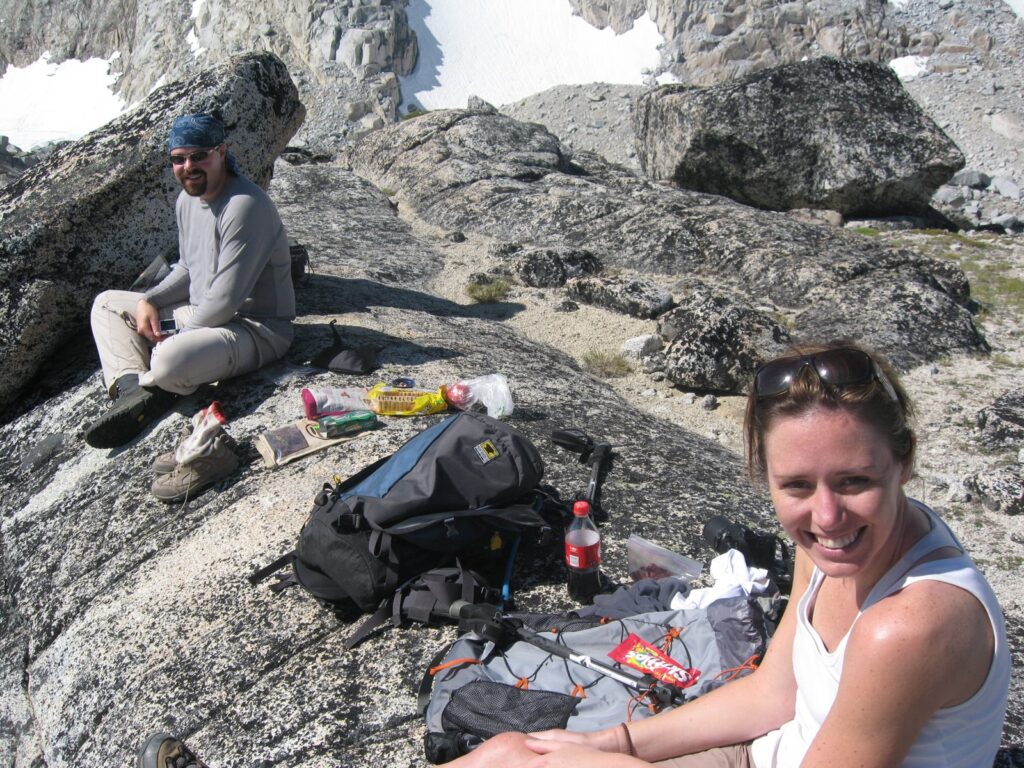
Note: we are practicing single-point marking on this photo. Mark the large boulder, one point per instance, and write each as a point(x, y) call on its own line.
point(491, 175)
point(1001, 425)
point(95, 212)
point(824, 133)
point(632, 296)
point(120, 615)
point(712, 344)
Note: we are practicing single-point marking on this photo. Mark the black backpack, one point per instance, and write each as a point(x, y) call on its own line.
point(462, 488)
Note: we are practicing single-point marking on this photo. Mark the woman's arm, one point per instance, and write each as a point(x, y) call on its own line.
point(732, 714)
point(924, 648)
point(737, 712)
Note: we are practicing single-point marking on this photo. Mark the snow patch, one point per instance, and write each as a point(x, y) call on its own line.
point(46, 102)
point(1017, 6)
point(909, 67)
point(505, 50)
point(192, 38)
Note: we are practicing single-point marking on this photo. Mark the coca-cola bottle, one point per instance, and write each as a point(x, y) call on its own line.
point(583, 554)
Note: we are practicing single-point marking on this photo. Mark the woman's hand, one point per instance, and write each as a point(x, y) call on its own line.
point(607, 740)
point(548, 749)
point(554, 753)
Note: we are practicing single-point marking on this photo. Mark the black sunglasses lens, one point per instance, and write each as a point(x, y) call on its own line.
point(775, 377)
point(836, 367)
point(195, 157)
point(841, 367)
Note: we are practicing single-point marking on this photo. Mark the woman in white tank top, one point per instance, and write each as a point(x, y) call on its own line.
point(892, 651)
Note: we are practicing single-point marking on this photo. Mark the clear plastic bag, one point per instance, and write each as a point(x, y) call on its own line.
point(490, 391)
point(331, 401)
point(649, 561)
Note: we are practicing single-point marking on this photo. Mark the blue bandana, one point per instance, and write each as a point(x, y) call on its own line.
point(200, 130)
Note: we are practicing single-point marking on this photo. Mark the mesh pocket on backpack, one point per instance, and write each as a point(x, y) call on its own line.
point(486, 708)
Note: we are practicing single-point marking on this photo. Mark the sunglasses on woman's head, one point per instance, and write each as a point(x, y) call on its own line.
point(195, 157)
point(837, 368)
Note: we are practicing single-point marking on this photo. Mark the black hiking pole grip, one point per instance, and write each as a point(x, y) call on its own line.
point(597, 459)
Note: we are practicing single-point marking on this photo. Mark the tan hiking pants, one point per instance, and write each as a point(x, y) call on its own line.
point(736, 756)
point(187, 359)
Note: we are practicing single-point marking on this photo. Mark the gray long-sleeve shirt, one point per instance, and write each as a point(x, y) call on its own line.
point(234, 259)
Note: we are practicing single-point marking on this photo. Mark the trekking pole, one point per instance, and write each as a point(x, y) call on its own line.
point(491, 624)
point(598, 456)
point(595, 455)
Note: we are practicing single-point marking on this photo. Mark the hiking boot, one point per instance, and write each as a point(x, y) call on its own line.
point(168, 462)
point(161, 750)
point(133, 408)
point(188, 480)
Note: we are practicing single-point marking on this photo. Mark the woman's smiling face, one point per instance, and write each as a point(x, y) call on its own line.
point(838, 490)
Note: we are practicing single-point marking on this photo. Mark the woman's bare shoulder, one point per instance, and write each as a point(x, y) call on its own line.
point(928, 630)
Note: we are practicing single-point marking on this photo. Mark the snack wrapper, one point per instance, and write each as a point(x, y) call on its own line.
point(386, 400)
point(637, 653)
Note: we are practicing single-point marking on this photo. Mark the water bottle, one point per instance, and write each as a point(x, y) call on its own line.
point(583, 555)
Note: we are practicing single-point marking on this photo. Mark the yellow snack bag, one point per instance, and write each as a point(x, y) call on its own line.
point(400, 401)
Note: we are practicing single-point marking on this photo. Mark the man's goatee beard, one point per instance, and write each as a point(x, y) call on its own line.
point(195, 188)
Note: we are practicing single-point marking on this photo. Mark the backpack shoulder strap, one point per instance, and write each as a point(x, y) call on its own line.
point(425, 599)
point(262, 573)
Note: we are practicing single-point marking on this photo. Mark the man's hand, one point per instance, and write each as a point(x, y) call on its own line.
point(147, 321)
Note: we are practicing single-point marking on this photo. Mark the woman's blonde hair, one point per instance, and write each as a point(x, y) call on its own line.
point(880, 401)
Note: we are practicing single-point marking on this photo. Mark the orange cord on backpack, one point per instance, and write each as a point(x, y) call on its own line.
point(453, 663)
point(732, 673)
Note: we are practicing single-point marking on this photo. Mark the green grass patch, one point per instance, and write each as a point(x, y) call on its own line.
point(992, 285)
point(488, 292)
point(947, 237)
point(607, 365)
point(999, 358)
point(414, 113)
point(867, 231)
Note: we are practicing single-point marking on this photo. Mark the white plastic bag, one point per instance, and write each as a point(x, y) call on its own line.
point(205, 426)
point(490, 391)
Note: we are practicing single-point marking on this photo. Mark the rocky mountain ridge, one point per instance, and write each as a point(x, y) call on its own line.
point(119, 615)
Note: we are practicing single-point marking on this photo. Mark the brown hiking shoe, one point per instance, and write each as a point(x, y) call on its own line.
point(186, 481)
point(161, 750)
point(168, 462)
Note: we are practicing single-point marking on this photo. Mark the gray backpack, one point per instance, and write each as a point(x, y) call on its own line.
point(477, 688)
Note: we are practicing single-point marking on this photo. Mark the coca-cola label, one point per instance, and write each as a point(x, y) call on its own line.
point(636, 652)
point(583, 557)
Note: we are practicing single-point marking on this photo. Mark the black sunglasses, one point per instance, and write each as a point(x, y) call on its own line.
point(838, 368)
point(195, 157)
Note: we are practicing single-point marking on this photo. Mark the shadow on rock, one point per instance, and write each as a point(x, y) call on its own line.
point(327, 294)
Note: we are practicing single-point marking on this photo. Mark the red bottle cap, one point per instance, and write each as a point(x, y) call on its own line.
point(581, 508)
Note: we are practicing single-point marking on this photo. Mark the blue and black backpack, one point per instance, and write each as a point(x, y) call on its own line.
point(460, 491)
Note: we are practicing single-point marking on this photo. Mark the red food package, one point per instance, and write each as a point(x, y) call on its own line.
point(637, 653)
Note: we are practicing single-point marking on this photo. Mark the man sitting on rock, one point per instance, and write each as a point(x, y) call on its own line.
point(230, 295)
